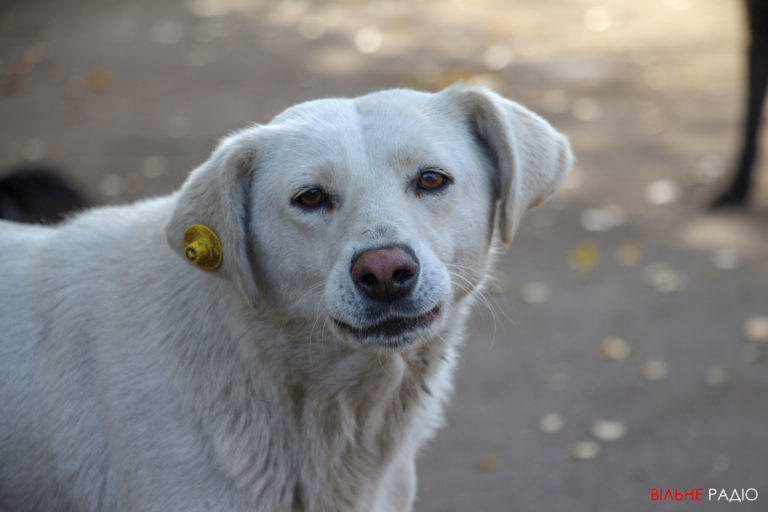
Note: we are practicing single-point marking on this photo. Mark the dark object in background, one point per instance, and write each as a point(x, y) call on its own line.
point(737, 192)
point(36, 194)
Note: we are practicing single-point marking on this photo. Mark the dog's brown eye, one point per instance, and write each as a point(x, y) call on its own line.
point(432, 180)
point(312, 198)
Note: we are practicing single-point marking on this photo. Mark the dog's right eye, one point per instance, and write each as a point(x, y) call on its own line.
point(312, 198)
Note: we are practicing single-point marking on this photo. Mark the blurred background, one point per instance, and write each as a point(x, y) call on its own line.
point(622, 344)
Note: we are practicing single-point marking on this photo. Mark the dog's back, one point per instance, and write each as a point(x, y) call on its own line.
point(42, 373)
point(55, 308)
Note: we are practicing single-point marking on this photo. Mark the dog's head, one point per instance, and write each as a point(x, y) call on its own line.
point(372, 217)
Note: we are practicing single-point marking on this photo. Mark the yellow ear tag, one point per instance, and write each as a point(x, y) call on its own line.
point(202, 247)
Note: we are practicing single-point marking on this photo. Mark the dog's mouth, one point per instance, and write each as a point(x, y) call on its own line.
point(392, 327)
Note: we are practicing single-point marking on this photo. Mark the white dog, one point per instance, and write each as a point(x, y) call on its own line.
point(293, 348)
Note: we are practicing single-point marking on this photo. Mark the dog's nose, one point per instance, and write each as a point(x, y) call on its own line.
point(385, 274)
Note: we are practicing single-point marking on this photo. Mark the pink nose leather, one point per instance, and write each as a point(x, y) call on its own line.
point(385, 274)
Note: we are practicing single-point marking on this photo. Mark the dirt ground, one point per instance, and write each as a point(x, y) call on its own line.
point(623, 344)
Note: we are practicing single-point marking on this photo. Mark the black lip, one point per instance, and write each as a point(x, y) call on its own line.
point(393, 326)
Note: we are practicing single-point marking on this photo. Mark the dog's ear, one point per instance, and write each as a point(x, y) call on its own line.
point(532, 158)
point(217, 196)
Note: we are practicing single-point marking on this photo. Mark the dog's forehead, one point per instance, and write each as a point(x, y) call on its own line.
point(394, 103)
point(392, 124)
point(375, 104)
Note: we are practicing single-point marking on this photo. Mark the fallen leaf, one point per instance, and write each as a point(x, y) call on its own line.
point(497, 56)
point(100, 79)
point(615, 348)
point(584, 258)
point(112, 185)
point(551, 422)
point(662, 192)
point(584, 450)
point(664, 278)
point(606, 430)
point(602, 219)
point(655, 370)
point(488, 462)
point(756, 328)
point(368, 39)
point(629, 253)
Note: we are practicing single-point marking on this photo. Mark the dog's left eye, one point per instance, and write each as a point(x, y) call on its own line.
point(312, 198)
point(432, 180)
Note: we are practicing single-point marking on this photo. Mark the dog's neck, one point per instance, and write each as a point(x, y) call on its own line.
point(342, 413)
point(361, 407)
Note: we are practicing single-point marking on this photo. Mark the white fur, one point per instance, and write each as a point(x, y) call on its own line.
point(131, 380)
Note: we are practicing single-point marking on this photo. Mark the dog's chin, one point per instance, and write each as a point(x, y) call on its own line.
point(393, 332)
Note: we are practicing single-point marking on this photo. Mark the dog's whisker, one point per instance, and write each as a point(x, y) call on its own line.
point(318, 305)
point(320, 311)
point(482, 297)
point(464, 267)
point(481, 289)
